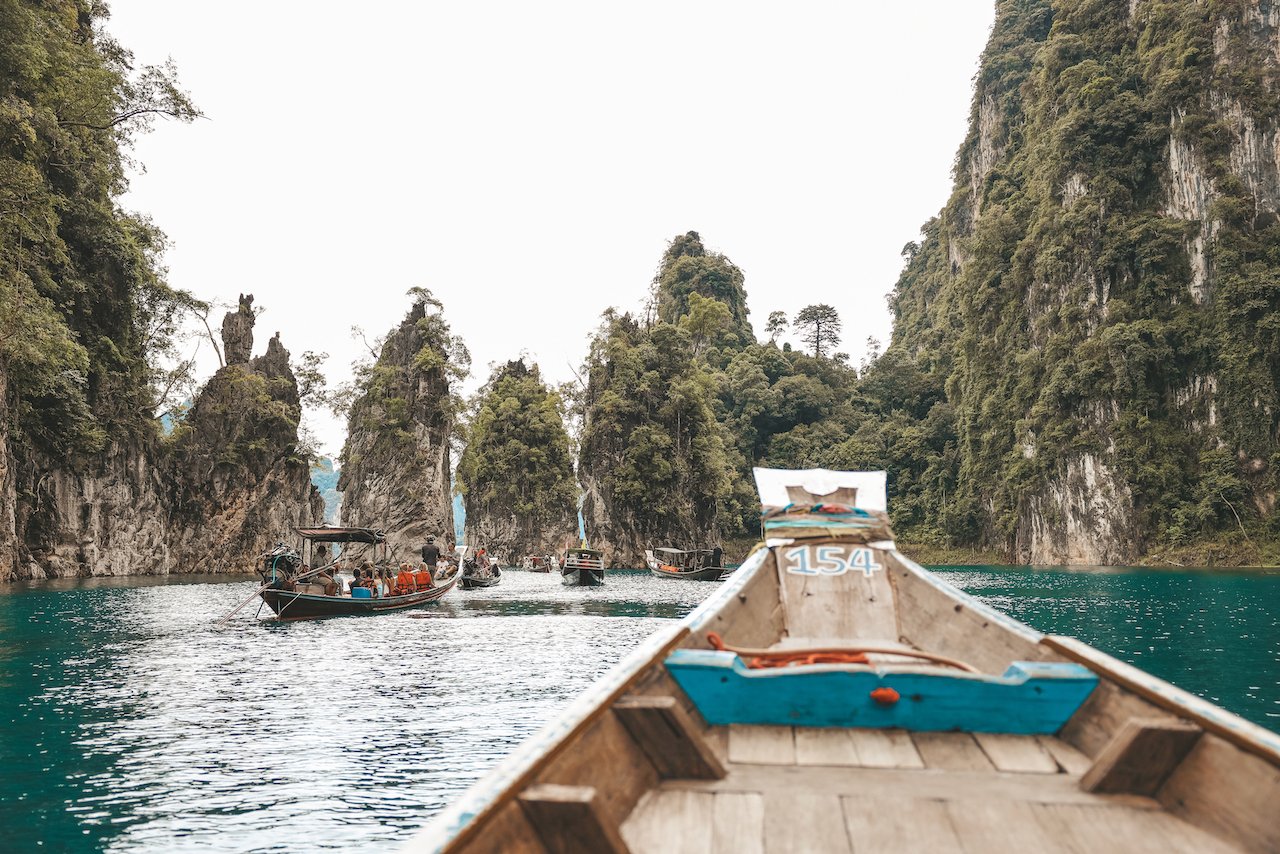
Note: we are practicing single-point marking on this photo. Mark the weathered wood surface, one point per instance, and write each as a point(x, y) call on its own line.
point(885, 748)
point(668, 736)
point(821, 746)
point(853, 606)
point(1141, 756)
point(569, 820)
point(1243, 734)
point(804, 823)
point(1104, 828)
point(737, 823)
point(907, 783)
point(671, 822)
point(509, 830)
point(1232, 794)
point(933, 619)
point(762, 745)
point(1070, 760)
point(951, 751)
point(1104, 714)
point(754, 617)
point(880, 825)
point(1016, 753)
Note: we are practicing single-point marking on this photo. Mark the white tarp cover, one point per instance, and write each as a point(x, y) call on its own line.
point(772, 485)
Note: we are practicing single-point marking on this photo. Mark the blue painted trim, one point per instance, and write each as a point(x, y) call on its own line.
point(1030, 698)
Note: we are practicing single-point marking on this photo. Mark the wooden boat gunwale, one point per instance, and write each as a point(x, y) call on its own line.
point(545, 757)
point(376, 604)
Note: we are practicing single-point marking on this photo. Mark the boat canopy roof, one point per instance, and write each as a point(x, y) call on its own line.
point(669, 551)
point(862, 489)
point(342, 535)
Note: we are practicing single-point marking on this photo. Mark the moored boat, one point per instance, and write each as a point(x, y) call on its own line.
point(583, 568)
point(833, 695)
point(290, 593)
point(688, 564)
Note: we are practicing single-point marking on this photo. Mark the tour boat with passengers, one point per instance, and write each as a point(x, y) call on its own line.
point(689, 564)
point(291, 590)
point(832, 695)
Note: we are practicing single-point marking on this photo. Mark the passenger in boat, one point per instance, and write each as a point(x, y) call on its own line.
point(431, 553)
point(388, 581)
point(424, 579)
point(404, 581)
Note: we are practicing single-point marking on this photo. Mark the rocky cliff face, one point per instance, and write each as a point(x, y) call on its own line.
point(1112, 237)
point(239, 481)
point(227, 485)
point(396, 460)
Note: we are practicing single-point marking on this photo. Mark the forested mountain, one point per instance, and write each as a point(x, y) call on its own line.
point(516, 474)
point(1099, 296)
point(86, 317)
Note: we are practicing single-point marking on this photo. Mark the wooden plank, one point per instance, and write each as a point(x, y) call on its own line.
point(885, 748)
point(737, 825)
point(570, 821)
point(1141, 756)
point(878, 824)
point(812, 780)
point(1106, 828)
point(1228, 792)
point(668, 737)
point(1235, 729)
point(1070, 760)
point(1103, 714)
point(671, 821)
point(851, 606)
point(607, 758)
point(508, 830)
point(1003, 827)
point(951, 751)
point(804, 823)
point(820, 746)
point(762, 745)
point(1016, 753)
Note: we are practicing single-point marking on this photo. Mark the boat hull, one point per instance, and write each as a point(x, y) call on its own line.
point(710, 573)
point(289, 605)
point(583, 577)
point(469, 583)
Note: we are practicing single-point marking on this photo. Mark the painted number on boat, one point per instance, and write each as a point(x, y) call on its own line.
point(830, 560)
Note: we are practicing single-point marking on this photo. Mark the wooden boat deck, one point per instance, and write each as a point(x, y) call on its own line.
point(846, 790)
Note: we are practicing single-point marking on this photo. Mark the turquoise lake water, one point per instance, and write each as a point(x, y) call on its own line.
point(132, 724)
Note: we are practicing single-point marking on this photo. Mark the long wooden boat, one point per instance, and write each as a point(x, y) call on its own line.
point(583, 568)
point(285, 571)
point(911, 717)
point(686, 564)
point(471, 582)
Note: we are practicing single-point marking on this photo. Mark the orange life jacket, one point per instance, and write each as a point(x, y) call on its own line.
point(424, 579)
point(404, 581)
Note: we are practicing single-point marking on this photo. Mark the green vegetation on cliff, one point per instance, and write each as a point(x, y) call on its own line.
point(83, 303)
point(1099, 295)
point(517, 461)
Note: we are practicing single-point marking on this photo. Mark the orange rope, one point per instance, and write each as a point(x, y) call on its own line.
point(762, 658)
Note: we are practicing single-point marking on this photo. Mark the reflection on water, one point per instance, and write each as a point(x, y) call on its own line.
point(130, 723)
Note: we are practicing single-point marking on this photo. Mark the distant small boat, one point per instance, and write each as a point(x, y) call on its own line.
point(688, 564)
point(834, 695)
point(538, 563)
point(471, 579)
point(583, 568)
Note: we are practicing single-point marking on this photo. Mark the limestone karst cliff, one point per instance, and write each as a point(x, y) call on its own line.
point(516, 473)
point(1099, 294)
point(224, 487)
point(396, 471)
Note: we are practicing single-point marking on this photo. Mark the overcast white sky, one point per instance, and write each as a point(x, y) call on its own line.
point(529, 161)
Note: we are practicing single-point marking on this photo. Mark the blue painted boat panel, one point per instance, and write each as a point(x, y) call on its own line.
point(1030, 698)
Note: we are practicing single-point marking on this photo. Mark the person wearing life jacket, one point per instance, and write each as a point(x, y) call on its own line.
point(404, 581)
point(423, 579)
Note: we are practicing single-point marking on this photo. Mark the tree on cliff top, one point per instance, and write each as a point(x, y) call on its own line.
point(517, 460)
point(819, 327)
